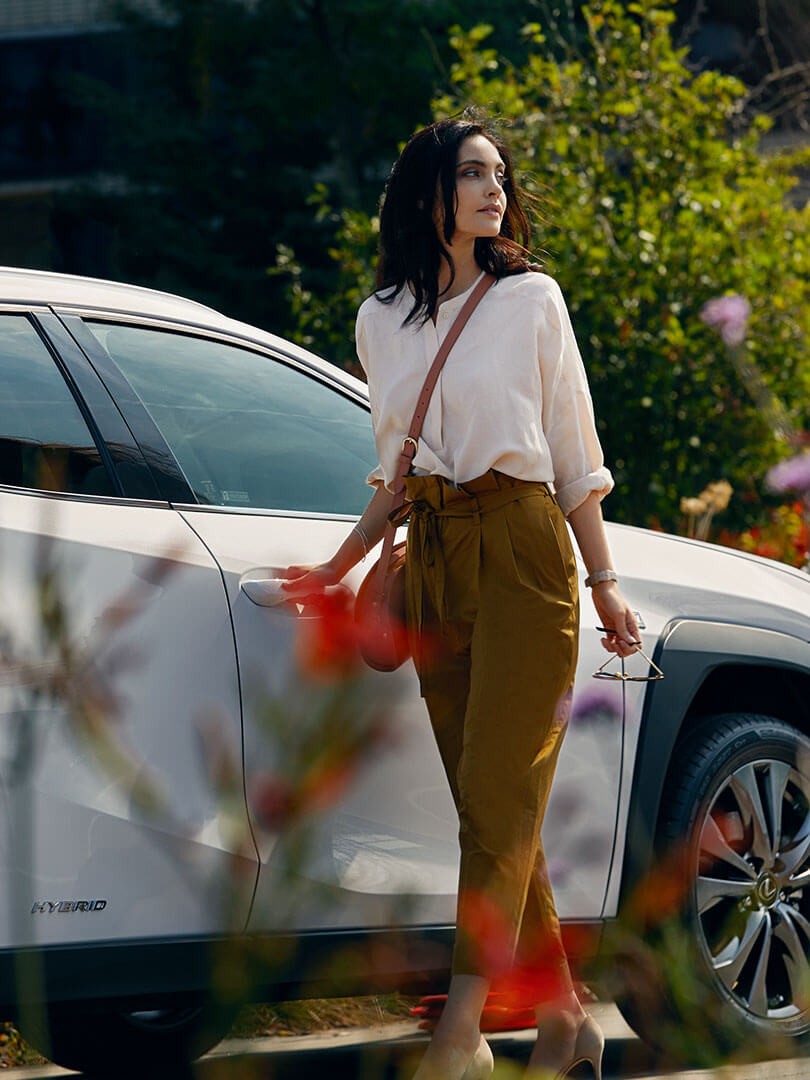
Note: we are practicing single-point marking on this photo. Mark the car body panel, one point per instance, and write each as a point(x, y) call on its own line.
point(159, 825)
point(391, 845)
point(690, 651)
point(699, 581)
point(107, 791)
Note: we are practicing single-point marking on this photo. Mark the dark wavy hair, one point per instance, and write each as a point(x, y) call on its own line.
point(410, 249)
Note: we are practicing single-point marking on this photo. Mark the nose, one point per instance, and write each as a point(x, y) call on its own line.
point(496, 184)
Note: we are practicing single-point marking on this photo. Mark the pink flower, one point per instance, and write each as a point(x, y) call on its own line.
point(791, 475)
point(729, 315)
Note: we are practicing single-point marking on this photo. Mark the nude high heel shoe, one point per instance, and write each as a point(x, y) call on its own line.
point(478, 1067)
point(588, 1049)
point(482, 1064)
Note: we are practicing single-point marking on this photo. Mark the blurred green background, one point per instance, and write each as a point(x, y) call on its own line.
point(234, 151)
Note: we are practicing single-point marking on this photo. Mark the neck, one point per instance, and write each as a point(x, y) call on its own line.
point(466, 272)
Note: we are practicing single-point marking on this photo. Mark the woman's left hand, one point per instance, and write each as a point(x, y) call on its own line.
point(622, 635)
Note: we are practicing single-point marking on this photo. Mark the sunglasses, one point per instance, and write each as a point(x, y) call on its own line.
point(654, 671)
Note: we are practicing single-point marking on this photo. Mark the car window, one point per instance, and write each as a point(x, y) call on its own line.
point(44, 441)
point(247, 430)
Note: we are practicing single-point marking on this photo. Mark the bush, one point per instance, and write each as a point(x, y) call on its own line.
point(655, 197)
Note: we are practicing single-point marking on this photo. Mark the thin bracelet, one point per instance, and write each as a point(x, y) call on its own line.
point(363, 539)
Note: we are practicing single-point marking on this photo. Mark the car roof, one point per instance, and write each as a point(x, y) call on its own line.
point(47, 287)
point(61, 291)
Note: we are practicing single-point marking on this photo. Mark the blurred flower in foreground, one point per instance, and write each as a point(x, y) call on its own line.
point(729, 316)
point(598, 702)
point(791, 475)
point(326, 644)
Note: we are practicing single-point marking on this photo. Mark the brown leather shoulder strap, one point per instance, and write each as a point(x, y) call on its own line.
point(460, 321)
point(409, 448)
point(429, 385)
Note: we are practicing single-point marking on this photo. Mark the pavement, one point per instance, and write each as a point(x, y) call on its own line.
point(383, 1052)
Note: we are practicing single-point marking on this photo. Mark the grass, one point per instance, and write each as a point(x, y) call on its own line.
point(320, 1014)
point(257, 1021)
point(14, 1050)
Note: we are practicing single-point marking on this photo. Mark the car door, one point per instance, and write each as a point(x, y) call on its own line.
point(117, 657)
point(276, 451)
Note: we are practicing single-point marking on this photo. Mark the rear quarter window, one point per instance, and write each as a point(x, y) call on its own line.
point(45, 443)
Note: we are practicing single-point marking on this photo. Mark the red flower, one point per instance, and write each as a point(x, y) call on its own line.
point(483, 932)
point(275, 802)
point(662, 892)
point(326, 647)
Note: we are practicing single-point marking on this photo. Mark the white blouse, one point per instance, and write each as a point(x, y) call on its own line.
point(512, 395)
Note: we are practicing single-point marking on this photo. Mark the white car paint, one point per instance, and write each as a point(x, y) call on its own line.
point(394, 831)
point(123, 808)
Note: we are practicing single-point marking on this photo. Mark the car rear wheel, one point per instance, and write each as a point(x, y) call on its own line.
point(142, 1043)
point(734, 962)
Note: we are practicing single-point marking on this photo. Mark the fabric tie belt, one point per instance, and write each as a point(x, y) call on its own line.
point(434, 503)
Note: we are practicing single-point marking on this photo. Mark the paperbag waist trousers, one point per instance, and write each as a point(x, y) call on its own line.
point(492, 604)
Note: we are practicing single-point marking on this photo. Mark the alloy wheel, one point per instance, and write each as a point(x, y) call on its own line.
point(752, 889)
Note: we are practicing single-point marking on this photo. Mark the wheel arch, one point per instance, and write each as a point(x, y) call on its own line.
point(709, 667)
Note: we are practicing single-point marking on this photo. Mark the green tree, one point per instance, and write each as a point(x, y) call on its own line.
point(654, 199)
point(230, 112)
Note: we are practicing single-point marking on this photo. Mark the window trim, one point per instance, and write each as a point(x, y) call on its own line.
point(86, 312)
point(161, 462)
point(101, 406)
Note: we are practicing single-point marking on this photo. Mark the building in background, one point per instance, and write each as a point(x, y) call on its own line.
point(48, 142)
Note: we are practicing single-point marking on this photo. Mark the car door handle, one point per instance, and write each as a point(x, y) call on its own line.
point(266, 590)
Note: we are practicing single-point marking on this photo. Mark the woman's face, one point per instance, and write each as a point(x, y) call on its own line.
point(480, 196)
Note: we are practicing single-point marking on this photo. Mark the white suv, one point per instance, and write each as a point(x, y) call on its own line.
point(158, 464)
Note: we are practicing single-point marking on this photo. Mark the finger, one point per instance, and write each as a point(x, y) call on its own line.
point(297, 582)
point(629, 647)
point(610, 640)
point(627, 631)
point(294, 571)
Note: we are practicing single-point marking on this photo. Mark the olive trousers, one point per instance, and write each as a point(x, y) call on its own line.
point(493, 610)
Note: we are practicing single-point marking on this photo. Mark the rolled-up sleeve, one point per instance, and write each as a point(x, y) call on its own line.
point(568, 419)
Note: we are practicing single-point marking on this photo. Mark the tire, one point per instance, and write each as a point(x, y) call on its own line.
point(731, 967)
point(148, 1043)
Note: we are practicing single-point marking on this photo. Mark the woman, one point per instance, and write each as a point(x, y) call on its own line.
point(492, 582)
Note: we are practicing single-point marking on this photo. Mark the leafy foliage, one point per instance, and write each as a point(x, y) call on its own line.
point(655, 198)
point(324, 321)
point(227, 114)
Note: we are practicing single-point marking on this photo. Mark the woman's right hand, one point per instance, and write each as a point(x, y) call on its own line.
point(308, 580)
point(312, 579)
